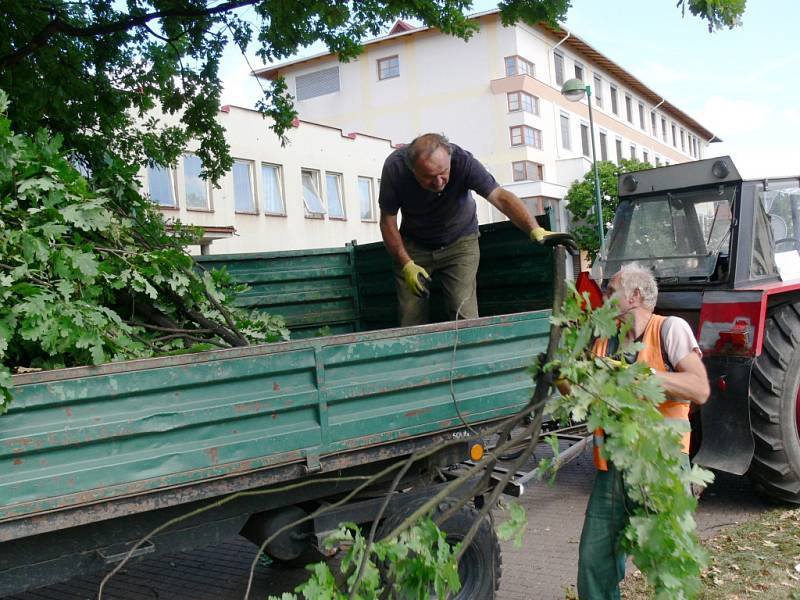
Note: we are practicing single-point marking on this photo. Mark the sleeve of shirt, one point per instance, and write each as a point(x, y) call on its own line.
point(387, 195)
point(478, 178)
point(678, 340)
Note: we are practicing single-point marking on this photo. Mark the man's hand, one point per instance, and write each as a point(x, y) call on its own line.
point(417, 278)
point(540, 235)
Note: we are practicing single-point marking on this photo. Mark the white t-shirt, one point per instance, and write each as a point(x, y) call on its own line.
point(678, 340)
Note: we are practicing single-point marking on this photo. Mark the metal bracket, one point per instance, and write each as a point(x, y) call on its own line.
point(114, 554)
point(312, 462)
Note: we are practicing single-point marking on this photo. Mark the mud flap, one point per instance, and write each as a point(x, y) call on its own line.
point(727, 438)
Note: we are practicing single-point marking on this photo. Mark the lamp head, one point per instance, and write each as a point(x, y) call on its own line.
point(573, 90)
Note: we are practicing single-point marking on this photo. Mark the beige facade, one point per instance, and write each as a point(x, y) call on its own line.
point(267, 201)
point(498, 96)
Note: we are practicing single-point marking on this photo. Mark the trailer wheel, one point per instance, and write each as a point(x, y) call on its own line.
point(775, 407)
point(480, 566)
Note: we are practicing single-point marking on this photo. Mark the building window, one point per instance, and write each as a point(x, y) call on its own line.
point(683, 141)
point(658, 160)
point(641, 117)
point(633, 151)
point(566, 142)
point(516, 65)
point(388, 67)
point(674, 135)
point(578, 70)
point(628, 108)
point(365, 195)
point(312, 199)
point(523, 101)
point(197, 196)
point(526, 170)
point(696, 148)
point(664, 128)
point(653, 125)
point(598, 91)
point(272, 190)
point(585, 139)
point(558, 59)
point(333, 187)
point(645, 156)
point(318, 83)
point(161, 185)
point(614, 106)
point(619, 150)
point(243, 197)
point(603, 146)
point(523, 135)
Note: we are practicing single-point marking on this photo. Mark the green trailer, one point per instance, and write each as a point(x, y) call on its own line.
point(93, 458)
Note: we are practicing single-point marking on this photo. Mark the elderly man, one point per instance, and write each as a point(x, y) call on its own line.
point(429, 181)
point(672, 353)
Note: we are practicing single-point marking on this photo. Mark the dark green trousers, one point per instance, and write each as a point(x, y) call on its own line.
point(601, 566)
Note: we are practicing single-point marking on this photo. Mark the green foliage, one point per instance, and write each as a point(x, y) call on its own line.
point(623, 401)
point(514, 526)
point(581, 201)
point(411, 565)
point(91, 276)
point(94, 71)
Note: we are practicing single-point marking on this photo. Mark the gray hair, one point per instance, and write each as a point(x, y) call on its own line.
point(632, 277)
point(425, 145)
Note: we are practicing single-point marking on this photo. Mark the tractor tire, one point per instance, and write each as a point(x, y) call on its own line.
point(480, 567)
point(775, 407)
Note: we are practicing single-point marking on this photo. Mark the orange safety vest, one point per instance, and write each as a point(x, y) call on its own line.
point(673, 410)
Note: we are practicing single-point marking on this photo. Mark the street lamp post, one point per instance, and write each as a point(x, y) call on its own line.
point(574, 90)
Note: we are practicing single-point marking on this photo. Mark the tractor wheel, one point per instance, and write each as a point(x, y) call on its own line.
point(480, 566)
point(775, 407)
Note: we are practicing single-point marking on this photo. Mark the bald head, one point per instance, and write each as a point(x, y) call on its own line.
point(428, 157)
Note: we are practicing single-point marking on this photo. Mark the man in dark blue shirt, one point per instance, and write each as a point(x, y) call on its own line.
point(429, 181)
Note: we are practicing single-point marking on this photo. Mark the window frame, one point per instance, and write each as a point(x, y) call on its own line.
point(598, 90)
point(580, 70)
point(585, 140)
point(370, 188)
point(558, 65)
point(566, 134)
point(614, 99)
point(381, 61)
point(527, 167)
point(523, 133)
point(206, 184)
point(618, 149)
point(520, 96)
point(279, 186)
point(642, 121)
point(314, 174)
point(603, 145)
point(171, 178)
point(252, 187)
point(518, 61)
point(629, 108)
point(340, 191)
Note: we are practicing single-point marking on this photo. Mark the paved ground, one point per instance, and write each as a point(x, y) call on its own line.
point(544, 568)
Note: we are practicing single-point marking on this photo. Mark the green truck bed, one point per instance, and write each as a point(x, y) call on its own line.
point(91, 444)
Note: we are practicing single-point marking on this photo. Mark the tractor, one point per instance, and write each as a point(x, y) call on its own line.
point(726, 255)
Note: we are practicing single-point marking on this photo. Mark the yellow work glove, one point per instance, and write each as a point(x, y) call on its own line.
point(417, 279)
point(540, 235)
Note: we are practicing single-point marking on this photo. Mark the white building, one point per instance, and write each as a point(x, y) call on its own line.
point(319, 191)
point(498, 96)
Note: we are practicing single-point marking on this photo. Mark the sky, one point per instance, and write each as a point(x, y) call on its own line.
point(742, 84)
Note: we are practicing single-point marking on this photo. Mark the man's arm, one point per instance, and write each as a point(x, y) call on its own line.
point(689, 381)
point(392, 239)
point(511, 206)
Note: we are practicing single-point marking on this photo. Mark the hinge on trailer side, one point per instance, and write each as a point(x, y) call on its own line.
point(312, 462)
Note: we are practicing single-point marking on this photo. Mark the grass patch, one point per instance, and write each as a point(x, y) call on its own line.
point(759, 558)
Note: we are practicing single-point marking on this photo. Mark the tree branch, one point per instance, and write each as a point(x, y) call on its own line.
point(58, 25)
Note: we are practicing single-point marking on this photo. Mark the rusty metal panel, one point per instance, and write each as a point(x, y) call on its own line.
point(79, 436)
